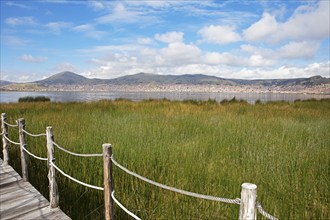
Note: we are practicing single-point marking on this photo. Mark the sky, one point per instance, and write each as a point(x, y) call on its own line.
point(247, 39)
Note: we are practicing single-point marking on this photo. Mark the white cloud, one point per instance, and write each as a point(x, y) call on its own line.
point(31, 59)
point(298, 50)
point(291, 51)
point(120, 14)
point(307, 23)
point(215, 58)
point(14, 21)
point(179, 54)
point(144, 40)
point(19, 5)
point(83, 28)
point(219, 34)
point(284, 72)
point(14, 41)
point(262, 29)
point(56, 27)
point(170, 37)
point(96, 5)
point(89, 31)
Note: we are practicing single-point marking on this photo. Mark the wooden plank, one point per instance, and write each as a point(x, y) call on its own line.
point(44, 213)
point(9, 177)
point(12, 187)
point(20, 200)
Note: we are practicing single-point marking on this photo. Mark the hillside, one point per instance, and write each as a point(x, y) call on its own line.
point(65, 78)
point(4, 83)
point(70, 78)
point(145, 78)
point(69, 81)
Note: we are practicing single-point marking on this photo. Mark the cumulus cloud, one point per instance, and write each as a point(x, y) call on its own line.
point(219, 34)
point(170, 37)
point(262, 29)
point(298, 50)
point(179, 53)
point(31, 59)
point(144, 40)
point(307, 23)
point(120, 13)
point(283, 72)
point(291, 51)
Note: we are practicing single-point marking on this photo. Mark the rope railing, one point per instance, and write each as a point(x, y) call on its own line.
point(76, 154)
point(184, 192)
point(123, 207)
point(13, 142)
point(74, 179)
point(10, 125)
point(264, 213)
point(31, 154)
point(33, 135)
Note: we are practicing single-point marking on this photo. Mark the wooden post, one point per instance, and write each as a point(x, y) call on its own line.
point(248, 207)
point(53, 191)
point(5, 143)
point(108, 181)
point(24, 155)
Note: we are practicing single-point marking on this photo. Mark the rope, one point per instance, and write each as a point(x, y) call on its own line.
point(33, 135)
point(10, 125)
point(31, 154)
point(201, 196)
point(76, 154)
point(73, 179)
point(13, 142)
point(123, 207)
point(264, 213)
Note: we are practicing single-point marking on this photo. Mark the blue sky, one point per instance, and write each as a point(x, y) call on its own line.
point(107, 39)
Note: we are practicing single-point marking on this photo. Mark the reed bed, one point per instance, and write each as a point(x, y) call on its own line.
point(204, 147)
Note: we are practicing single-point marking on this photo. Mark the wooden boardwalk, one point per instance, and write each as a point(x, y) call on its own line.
point(20, 200)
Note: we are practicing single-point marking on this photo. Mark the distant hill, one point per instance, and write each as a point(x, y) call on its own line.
point(312, 81)
point(65, 78)
point(70, 78)
point(71, 81)
point(4, 83)
point(145, 78)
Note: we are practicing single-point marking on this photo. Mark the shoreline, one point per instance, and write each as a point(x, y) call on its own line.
point(323, 89)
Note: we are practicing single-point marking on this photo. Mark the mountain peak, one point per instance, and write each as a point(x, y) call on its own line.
point(66, 78)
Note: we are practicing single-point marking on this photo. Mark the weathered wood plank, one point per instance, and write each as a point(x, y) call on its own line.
point(20, 200)
point(44, 213)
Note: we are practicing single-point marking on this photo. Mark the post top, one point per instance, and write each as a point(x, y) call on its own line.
point(106, 145)
point(249, 186)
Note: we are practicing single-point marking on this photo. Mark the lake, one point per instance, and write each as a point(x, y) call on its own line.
point(73, 96)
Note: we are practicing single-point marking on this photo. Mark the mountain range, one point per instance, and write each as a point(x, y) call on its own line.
point(69, 79)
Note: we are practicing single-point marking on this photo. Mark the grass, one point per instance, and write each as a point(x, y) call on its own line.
point(34, 99)
point(204, 147)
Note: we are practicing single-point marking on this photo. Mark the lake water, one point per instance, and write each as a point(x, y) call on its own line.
point(6, 96)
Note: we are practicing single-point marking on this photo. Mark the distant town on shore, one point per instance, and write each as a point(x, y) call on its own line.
point(144, 82)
